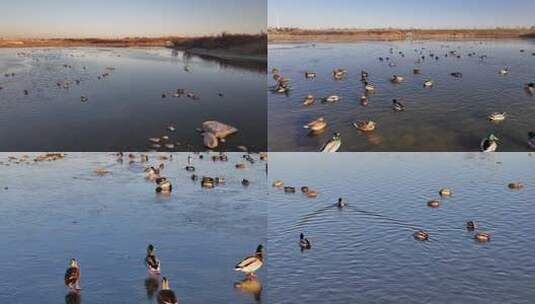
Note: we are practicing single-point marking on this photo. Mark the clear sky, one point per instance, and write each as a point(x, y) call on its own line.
point(401, 13)
point(121, 18)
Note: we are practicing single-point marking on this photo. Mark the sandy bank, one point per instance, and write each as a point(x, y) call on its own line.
point(292, 35)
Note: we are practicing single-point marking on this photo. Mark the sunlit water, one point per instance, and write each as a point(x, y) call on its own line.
point(365, 253)
point(52, 211)
point(450, 116)
point(125, 109)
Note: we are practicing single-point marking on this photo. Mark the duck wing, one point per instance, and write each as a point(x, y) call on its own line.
point(247, 262)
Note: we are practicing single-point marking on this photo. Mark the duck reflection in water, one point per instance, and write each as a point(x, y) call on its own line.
point(73, 298)
point(151, 286)
point(251, 286)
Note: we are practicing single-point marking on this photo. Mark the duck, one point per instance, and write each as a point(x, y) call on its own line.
point(289, 189)
point(84, 98)
point(304, 243)
point(433, 203)
point(309, 99)
point(305, 189)
point(152, 261)
point(397, 106)
point(311, 194)
point(489, 143)
point(316, 125)
point(497, 116)
point(482, 237)
point(339, 74)
point(364, 100)
point(72, 275)
point(166, 295)
point(421, 235)
point(207, 182)
point(164, 186)
point(369, 87)
point(151, 173)
point(363, 75)
point(504, 71)
point(340, 203)
point(310, 75)
point(396, 79)
point(278, 184)
point(26, 92)
point(531, 139)
point(515, 186)
point(365, 125)
point(171, 128)
point(245, 182)
point(416, 71)
point(249, 265)
point(445, 192)
point(530, 87)
point(331, 98)
point(471, 226)
point(333, 144)
point(457, 74)
point(428, 83)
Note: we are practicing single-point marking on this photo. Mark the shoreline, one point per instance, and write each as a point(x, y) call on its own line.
point(282, 36)
point(225, 55)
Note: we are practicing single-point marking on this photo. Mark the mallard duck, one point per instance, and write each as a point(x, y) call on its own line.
point(416, 71)
point(428, 83)
point(304, 243)
point(164, 186)
point(207, 182)
point(504, 71)
point(251, 264)
point(531, 139)
point(365, 125)
point(171, 128)
point(278, 184)
point(333, 144)
point(152, 261)
point(245, 182)
point(331, 98)
point(471, 226)
point(489, 143)
point(72, 275)
point(515, 186)
point(457, 74)
point(364, 100)
point(305, 189)
point(310, 74)
point(151, 173)
point(421, 235)
point(309, 99)
point(84, 98)
point(289, 189)
point(311, 194)
point(339, 74)
point(166, 295)
point(433, 204)
point(316, 125)
point(482, 237)
point(340, 203)
point(369, 87)
point(445, 192)
point(530, 87)
point(497, 116)
point(396, 79)
point(397, 106)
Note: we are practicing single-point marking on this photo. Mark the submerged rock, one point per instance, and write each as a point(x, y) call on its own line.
point(210, 140)
point(218, 129)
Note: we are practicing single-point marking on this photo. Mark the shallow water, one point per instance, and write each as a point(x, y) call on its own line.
point(52, 211)
point(126, 108)
point(450, 116)
point(365, 253)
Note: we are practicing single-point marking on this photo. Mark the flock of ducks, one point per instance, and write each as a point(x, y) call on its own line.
point(282, 86)
point(248, 265)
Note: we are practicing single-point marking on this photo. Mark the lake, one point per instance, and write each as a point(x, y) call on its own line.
point(52, 211)
point(125, 108)
point(366, 253)
point(452, 115)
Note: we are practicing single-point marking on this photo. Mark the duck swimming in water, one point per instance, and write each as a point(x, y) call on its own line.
point(497, 116)
point(331, 98)
point(304, 243)
point(152, 261)
point(310, 75)
point(489, 144)
point(364, 100)
point(365, 125)
point(309, 99)
point(166, 295)
point(251, 264)
point(482, 237)
point(369, 87)
point(396, 79)
point(72, 275)
point(316, 125)
point(84, 98)
point(164, 186)
point(340, 203)
point(471, 226)
point(530, 87)
point(504, 71)
point(428, 83)
point(151, 173)
point(457, 74)
point(421, 235)
point(397, 106)
point(333, 144)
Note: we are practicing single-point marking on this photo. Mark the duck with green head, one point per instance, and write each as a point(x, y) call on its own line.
point(249, 265)
point(152, 261)
point(72, 275)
